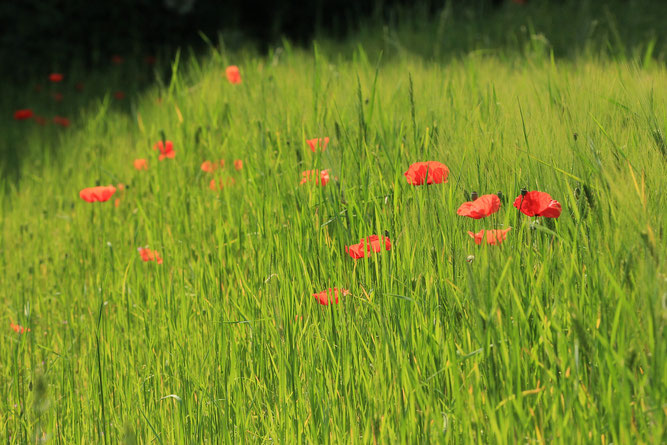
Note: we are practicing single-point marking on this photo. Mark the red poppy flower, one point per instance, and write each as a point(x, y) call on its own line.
point(97, 194)
point(21, 115)
point(56, 77)
point(233, 74)
point(40, 120)
point(213, 185)
point(58, 97)
point(222, 163)
point(538, 204)
point(141, 164)
point(166, 150)
point(150, 255)
point(62, 121)
point(330, 296)
point(320, 177)
point(437, 173)
point(238, 164)
point(482, 207)
point(208, 166)
point(18, 328)
point(493, 237)
point(119, 95)
point(116, 59)
point(372, 243)
point(317, 142)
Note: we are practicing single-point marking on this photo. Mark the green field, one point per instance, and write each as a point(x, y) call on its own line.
point(555, 335)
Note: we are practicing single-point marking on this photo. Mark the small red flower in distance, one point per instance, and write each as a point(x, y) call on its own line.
point(150, 255)
point(538, 204)
point(437, 173)
point(141, 164)
point(330, 296)
point(238, 164)
point(58, 97)
point(493, 237)
point(56, 77)
point(213, 185)
point(482, 207)
point(372, 243)
point(79, 86)
point(222, 163)
point(40, 120)
point(116, 59)
point(233, 74)
point(21, 115)
point(317, 142)
point(18, 328)
point(319, 177)
point(119, 95)
point(166, 150)
point(208, 166)
point(62, 121)
point(97, 194)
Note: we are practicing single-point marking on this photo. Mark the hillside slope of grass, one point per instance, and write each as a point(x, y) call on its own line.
point(557, 334)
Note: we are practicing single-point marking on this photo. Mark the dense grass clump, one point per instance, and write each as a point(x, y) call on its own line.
point(557, 334)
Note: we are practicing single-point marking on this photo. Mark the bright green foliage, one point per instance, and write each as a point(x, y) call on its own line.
point(556, 335)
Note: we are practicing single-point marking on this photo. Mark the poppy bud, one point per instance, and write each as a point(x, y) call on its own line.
point(474, 195)
point(500, 196)
point(575, 136)
point(97, 183)
point(523, 191)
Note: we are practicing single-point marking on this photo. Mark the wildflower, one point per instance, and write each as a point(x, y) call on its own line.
point(18, 328)
point(320, 177)
point(213, 185)
point(329, 296)
point(149, 255)
point(222, 163)
point(141, 164)
point(493, 237)
point(40, 120)
point(62, 121)
point(117, 60)
point(317, 142)
point(21, 115)
point(208, 166)
point(166, 150)
point(537, 204)
point(58, 97)
point(372, 243)
point(233, 74)
point(437, 173)
point(97, 194)
point(238, 164)
point(481, 207)
point(119, 95)
point(56, 77)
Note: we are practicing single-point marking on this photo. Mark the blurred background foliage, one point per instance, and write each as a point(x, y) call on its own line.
point(46, 35)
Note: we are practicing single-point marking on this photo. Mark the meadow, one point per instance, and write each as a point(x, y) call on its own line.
point(556, 334)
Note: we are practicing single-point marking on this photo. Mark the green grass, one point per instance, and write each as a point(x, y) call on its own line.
point(557, 335)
